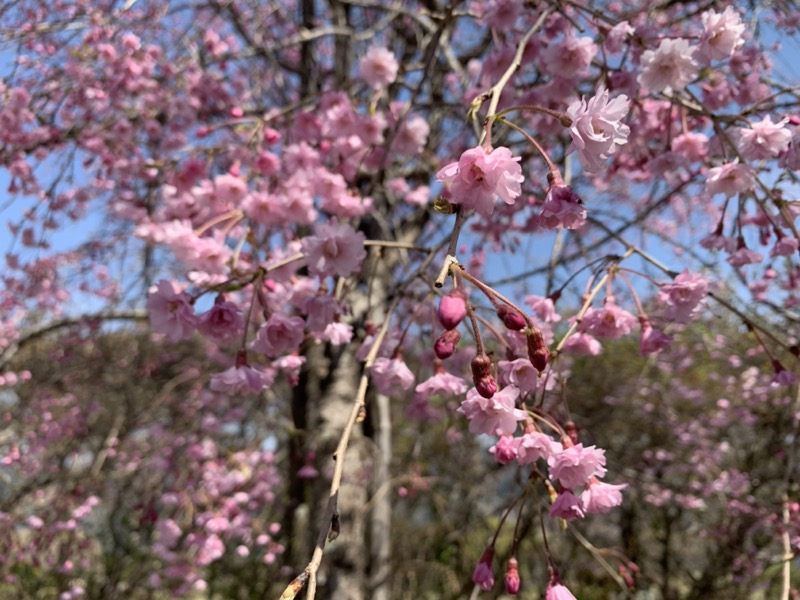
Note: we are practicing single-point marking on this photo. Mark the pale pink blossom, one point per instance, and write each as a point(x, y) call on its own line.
point(171, 311)
point(691, 145)
point(389, 375)
point(573, 467)
point(501, 14)
point(653, 340)
point(558, 592)
point(543, 307)
point(505, 449)
point(671, 67)
point(337, 334)
point(683, 296)
point(280, 335)
point(378, 67)
point(567, 506)
point(334, 249)
point(441, 384)
point(229, 189)
point(730, 179)
point(241, 378)
point(535, 445)
point(520, 373)
point(610, 321)
point(785, 246)
point(210, 550)
point(411, 135)
point(562, 209)
point(744, 256)
point(722, 34)
point(477, 178)
point(570, 56)
point(494, 416)
point(600, 497)
point(763, 139)
point(223, 321)
point(597, 129)
point(617, 37)
point(791, 159)
point(582, 344)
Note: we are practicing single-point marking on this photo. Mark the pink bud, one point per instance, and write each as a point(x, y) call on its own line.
point(537, 350)
point(511, 318)
point(452, 309)
point(482, 576)
point(446, 344)
point(512, 577)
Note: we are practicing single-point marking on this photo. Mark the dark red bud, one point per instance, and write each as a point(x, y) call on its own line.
point(482, 375)
point(452, 309)
point(445, 344)
point(511, 318)
point(538, 353)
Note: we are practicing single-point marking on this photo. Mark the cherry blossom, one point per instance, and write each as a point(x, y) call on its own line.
point(722, 33)
point(378, 67)
point(574, 466)
point(671, 67)
point(335, 249)
point(496, 415)
point(596, 131)
point(171, 311)
point(730, 179)
point(479, 177)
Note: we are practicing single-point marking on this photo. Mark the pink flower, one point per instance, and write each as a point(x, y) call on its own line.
point(558, 592)
point(617, 36)
point(391, 374)
point(505, 450)
point(744, 256)
point(671, 67)
point(562, 209)
point(597, 129)
point(238, 379)
point(493, 416)
point(730, 179)
point(573, 467)
point(210, 550)
point(535, 445)
point(378, 67)
point(599, 497)
point(683, 296)
point(171, 311)
point(222, 322)
point(569, 57)
point(785, 246)
point(543, 307)
point(764, 139)
point(691, 145)
point(477, 178)
point(791, 160)
point(567, 506)
point(511, 581)
point(520, 373)
point(334, 250)
point(445, 344)
point(722, 34)
point(501, 14)
point(653, 340)
point(610, 322)
point(441, 384)
point(337, 334)
point(582, 344)
point(411, 135)
point(279, 335)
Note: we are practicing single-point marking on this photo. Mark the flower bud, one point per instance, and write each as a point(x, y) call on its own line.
point(482, 575)
point(445, 344)
point(452, 309)
point(482, 375)
point(512, 577)
point(511, 318)
point(537, 350)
